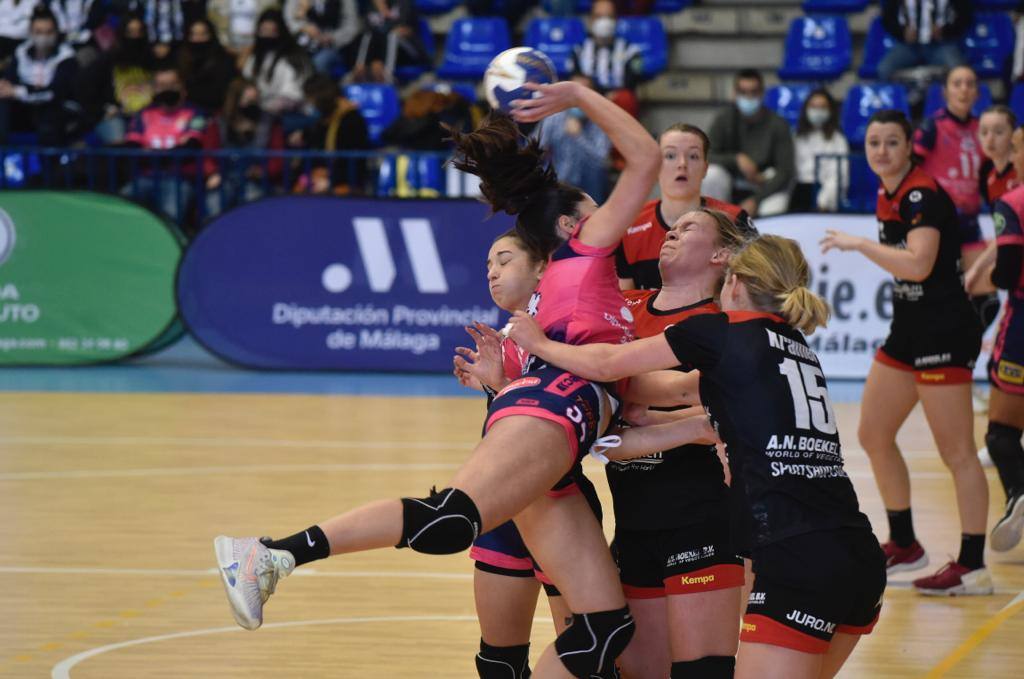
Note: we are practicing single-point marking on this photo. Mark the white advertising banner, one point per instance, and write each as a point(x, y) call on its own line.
point(859, 292)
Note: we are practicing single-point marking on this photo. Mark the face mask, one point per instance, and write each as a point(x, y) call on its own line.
point(167, 98)
point(252, 111)
point(576, 112)
point(200, 49)
point(748, 106)
point(818, 116)
point(267, 44)
point(603, 27)
point(44, 42)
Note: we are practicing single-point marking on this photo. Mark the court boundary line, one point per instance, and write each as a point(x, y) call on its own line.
point(977, 637)
point(210, 572)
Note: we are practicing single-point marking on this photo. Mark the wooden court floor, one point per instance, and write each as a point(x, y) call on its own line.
point(109, 504)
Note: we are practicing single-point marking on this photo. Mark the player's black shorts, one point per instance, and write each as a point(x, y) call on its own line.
point(810, 586)
point(970, 232)
point(683, 560)
point(939, 347)
point(1006, 367)
point(582, 408)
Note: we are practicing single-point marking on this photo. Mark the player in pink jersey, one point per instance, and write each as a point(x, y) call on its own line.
point(950, 153)
point(528, 451)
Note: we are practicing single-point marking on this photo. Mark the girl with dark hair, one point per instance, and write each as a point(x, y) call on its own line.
point(819, 183)
point(277, 65)
point(391, 40)
point(997, 174)
point(819, 572)
point(928, 356)
point(538, 426)
point(205, 66)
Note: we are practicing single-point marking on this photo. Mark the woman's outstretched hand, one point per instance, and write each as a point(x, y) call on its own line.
point(550, 100)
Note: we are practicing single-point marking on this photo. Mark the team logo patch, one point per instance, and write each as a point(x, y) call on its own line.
point(519, 384)
point(637, 229)
point(915, 196)
point(1011, 372)
point(999, 220)
point(7, 234)
point(565, 384)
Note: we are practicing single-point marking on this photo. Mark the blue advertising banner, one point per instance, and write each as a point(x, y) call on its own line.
point(314, 283)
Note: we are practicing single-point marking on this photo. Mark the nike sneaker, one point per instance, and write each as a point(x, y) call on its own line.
point(1007, 531)
point(956, 580)
point(249, 571)
point(899, 559)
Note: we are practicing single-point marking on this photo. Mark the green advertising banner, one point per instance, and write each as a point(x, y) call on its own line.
point(84, 278)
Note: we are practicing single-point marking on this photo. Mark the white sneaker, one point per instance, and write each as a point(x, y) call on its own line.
point(1006, 533)
point(250, 571)
point(984, 458)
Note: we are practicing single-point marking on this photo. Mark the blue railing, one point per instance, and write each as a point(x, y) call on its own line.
point(189, 186)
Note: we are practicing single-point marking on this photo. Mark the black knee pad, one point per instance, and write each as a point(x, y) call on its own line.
point(708, 667)
point(594, 640)
point(503, 662)
point(447, 522)
point(987, 307)
point(1004, 447)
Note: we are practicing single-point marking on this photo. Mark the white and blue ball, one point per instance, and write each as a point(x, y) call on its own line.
point(505, 75)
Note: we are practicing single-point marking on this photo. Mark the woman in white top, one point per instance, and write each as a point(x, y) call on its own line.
point(14, 19)
point(277, 64)
point(817, 133)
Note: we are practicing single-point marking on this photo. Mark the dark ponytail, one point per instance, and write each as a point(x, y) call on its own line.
point(516, 179)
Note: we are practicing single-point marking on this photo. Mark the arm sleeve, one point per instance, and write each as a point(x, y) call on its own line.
point(723, 146)
point(783, 160)
point(698, 341)
point(920, 207)
point(1010, 253)
point(924, 137)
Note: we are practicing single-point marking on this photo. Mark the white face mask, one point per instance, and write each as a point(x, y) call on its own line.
point(43, 42)
point(748, 106)
point(818, 116)
point(603, 27)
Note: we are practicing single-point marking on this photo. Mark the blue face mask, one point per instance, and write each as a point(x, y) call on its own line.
point(748, 106)
point(576, 112)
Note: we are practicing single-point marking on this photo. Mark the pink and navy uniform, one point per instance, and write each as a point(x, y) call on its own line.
point(993, 183)
point(951, 154)
point(1006, 367)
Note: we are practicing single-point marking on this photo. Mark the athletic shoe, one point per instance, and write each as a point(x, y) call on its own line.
point(956, 580)
point(250, 571)
point(899, 559)
point(1007, 531)
point(984, 458)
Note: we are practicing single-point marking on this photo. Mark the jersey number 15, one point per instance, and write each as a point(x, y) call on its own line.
point(811, 404)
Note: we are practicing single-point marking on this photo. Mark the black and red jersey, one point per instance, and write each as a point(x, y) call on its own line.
point(637, 255)
point(1009, 270)
point(683, 486)
point(993, 183)
point(766, 395)
point(918, 202)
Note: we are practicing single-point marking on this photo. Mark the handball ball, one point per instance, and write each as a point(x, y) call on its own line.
point(505, 75)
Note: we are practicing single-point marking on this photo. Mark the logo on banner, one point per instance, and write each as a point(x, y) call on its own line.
point(7, 235)
point(379, 260)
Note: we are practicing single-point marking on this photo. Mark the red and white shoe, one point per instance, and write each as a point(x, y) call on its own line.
point(956, 580)
point(899, 559)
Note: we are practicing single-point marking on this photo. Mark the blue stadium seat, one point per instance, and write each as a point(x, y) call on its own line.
point(989, 43)
point(556, 37)
point(817, 48)
point(996, 5)
point(1017, 101)
point(670, 6)
point(436, 6)
point(411, 176)
point(876, 45)
point(862, 101)
point(649, 34)
point(471, 44)
point(862, 193)
point(933, 101)
point(787, 100)
point(835, 6)
point(582, 6)
point(378, 103)
point(407, 73)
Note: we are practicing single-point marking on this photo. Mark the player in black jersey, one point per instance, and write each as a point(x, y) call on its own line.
point(928, 357)
point(819, 571)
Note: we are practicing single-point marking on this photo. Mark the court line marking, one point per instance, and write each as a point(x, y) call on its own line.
point(227, 441)
point(207, 572)
point(1015, 606)
point(62, 670)
point(225, 469)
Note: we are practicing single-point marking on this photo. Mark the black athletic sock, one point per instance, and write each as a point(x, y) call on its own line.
point(309, 545)
point(503, 662)
point(708, 667)
point(901, 527)
point(1004, 447)
point(972, 551)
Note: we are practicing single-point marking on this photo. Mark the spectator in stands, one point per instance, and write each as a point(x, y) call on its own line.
point(166, 21)
point(277, 65)
point(244, 126)
point(751, 152)
point(169, 123)
point(340, 127)
point(391, 40)
point(926, 33)
point(326, 28)
point(611, 63)
point(127, 85)
point(510, 10)
point(579, 150)
point(424, 113)
point(235, 21)
point(817, 134)
point(14, 20)
point(77, 19)
point(37, 87)
point(205, 66)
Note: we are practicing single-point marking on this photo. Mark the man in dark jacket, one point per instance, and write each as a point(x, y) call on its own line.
point(926, 33)
point(751, 157)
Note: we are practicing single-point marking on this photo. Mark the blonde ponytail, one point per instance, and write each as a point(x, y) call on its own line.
point(775, 273)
